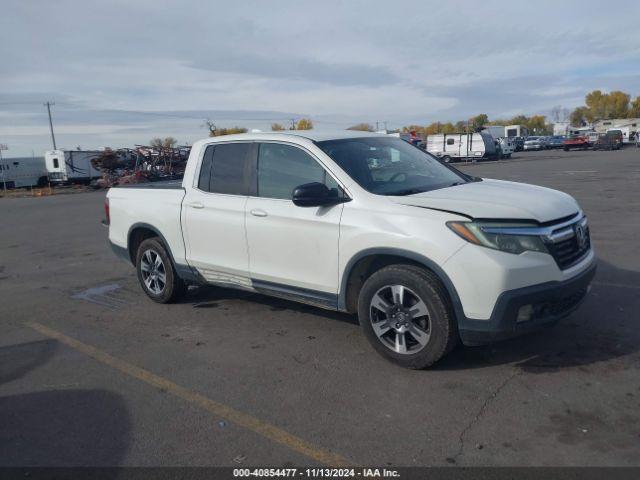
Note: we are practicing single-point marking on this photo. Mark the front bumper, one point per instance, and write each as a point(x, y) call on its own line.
point(551, 301)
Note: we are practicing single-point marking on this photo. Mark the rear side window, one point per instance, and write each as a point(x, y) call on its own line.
point(281, 168)
point(225, 169)
point(55, 163)
point(205, 169)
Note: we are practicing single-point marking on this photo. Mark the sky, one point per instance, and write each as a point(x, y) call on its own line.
point(124, 71)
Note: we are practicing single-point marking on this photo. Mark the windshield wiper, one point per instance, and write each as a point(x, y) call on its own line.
point(408, 191)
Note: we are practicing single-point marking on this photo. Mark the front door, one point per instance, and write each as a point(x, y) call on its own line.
point(214, 214)
point(292, 250)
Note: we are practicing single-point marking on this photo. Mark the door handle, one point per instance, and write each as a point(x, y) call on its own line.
point(256, 212)
point(196, 205)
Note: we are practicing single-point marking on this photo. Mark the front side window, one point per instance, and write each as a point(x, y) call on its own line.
point(225, 168)
point(390, 166)
point(282, 168)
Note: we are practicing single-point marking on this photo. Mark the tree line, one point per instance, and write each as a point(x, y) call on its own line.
point(605, 106)
point(535, 123)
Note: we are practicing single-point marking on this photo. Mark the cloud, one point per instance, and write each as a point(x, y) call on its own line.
point(122, 71)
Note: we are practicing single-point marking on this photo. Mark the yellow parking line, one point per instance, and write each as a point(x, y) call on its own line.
point(239, 418)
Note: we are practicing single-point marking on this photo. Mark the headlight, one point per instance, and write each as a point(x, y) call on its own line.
point(499, 236)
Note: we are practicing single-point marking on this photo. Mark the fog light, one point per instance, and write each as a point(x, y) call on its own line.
point(525, 313)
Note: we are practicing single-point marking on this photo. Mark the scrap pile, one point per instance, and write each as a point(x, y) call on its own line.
point(143, 163)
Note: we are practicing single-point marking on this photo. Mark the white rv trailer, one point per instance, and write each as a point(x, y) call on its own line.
point(22, 172)
point(461, 146)
point(71, 166)
point(516, 131)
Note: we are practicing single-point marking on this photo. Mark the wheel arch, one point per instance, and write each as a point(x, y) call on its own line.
point(138, 233)
point(368, 261)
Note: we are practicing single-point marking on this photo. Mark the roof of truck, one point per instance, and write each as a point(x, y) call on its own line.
point(314, 135)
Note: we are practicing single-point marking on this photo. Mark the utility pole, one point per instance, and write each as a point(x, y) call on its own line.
point(53, 138)
point(4, 180)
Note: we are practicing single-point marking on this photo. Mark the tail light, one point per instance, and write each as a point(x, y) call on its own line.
point(107, 218)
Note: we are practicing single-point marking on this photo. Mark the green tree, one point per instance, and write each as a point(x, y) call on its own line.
point(538, 124)
point(607, 105)
point(580, 117)
point(448, 128)
point(218, 132)
point(478, 122)
point(276, 127)
point(519, 120)
point(461, 126)
point(304, 124)
point(634, 111)
point(362, 127)
point(167, 142)
point(432, 129)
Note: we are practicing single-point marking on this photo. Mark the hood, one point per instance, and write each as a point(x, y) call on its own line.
point(496, 199)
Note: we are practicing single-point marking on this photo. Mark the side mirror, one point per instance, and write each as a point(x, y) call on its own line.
point(313, 194)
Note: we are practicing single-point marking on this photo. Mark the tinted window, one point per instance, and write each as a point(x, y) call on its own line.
point(205, 169)
point(450, 141)
point(390, 166)
point(55, 163)
point(225, 168)
point(281, 168)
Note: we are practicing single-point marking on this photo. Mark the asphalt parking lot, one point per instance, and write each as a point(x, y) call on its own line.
point(94, 373)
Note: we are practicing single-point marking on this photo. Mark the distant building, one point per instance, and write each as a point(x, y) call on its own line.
point(601, 126)
point(561, 128)
point(628, 126)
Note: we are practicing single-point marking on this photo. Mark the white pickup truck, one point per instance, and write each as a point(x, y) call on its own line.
point(362, 223)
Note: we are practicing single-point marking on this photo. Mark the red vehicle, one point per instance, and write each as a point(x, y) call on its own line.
point(577, 141)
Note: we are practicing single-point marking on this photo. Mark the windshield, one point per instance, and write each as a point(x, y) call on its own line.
point(390, 166)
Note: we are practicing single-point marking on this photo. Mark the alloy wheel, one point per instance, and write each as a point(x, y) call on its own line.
point(153, 271)
point(400, 319)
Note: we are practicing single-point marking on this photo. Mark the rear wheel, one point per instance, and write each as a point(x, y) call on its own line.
point(406, 315)
point(156, 273)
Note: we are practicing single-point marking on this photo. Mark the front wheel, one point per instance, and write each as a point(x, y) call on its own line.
point(446, 159)
point(406, 315)
point(156, 273)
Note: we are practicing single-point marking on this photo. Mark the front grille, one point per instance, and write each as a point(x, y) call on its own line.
point(568, 252)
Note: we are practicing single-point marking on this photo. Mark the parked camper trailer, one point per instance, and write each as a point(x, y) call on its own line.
point(452, 147)
point(516, 131)
point(22, 172)
point(71, 166)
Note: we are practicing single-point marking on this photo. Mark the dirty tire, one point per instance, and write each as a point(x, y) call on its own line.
point(172, 288)
point(443, 326)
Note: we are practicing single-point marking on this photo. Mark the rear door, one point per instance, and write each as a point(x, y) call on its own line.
point(214, 213)
point(292, 250)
